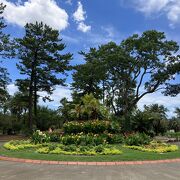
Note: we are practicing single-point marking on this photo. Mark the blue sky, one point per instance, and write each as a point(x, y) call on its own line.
point(88, 23)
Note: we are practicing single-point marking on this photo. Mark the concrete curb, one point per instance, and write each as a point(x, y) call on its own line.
point(4, 158)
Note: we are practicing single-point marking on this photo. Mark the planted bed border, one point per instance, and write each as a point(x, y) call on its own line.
point(5, 158)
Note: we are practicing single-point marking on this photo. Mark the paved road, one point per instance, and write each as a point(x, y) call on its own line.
point(22, 171)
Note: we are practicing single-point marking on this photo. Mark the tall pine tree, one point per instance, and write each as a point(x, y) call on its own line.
point(41, 60)
point(4, 52)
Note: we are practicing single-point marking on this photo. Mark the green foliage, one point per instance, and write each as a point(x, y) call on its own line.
point(9, 124)
point(39, 137)
point(19, 145)
point(65, 110)
point(91, 139)
point(174, 124)
point(87, 77)
point(18, 104)
point(90, 108)
point(49, 148)
point(95, 126)
point(54, 136)
point(140, 65)
point(115, 139)
point(83, 139)
point(81, 150)
point(175, 135)
point(41, 60)
point(151, 121)
point(155, 147)
point(137, 139)
point(4, 52)
point(177, 112)
point(47, 118)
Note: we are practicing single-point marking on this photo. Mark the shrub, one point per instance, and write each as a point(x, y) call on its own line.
point(155, 147)
point(175, 135)
point(40, 137)
point(91, 139)
point(81, 150)
point(137, 139)
point(83, 139)
point(19, 145)
point(95, 127)
point(115, 138)
point(111, 151)
point(54, 137)
point(43, 150)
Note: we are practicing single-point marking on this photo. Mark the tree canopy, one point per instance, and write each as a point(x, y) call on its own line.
point(123, 74)
point(41, 60)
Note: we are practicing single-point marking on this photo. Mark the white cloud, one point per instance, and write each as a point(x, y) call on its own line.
point(12, 89)
point(59, 93)
point(151, 6)
point(69, 2)
point(79, 14)
point(171, 8)
point(111, 31)
point(167, 101)
point(174, 13)
point(83, 27)
point(79, 17)
point(36, 10)
point(170, 102)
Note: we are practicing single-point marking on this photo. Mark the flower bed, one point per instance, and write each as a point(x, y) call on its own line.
point(95, 126)
point(155, 147)
point(19, 145)
point(80, 150)
point(91, 139)
point(54, 148)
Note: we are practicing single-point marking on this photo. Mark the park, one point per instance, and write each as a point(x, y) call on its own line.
point(92, 118)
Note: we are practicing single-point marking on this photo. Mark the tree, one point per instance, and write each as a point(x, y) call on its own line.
point(18, 104)
point(65, 108)
point(152, 120)
point(177, 112)
point(157, 114)
point(139, 66)
point(90, 108)
point(4, 50)
point(48, 118)
point(87, 77)
point(155, 62)
point(156, 109)
point(174, 122)
point(41, 60)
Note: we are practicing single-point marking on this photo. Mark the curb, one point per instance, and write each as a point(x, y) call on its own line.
point(3, 158)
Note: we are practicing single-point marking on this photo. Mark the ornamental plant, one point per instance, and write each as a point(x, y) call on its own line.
point(95, 126)
point(137, 139)
point(91, 139)
point(40, 137)
point(155, 147)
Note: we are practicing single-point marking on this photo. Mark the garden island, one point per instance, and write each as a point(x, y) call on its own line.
point(102, 120)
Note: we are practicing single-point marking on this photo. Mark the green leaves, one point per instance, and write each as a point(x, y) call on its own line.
point(123, 74)
point(41, 60)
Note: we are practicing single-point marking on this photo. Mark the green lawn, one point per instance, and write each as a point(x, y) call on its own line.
point(128, 155)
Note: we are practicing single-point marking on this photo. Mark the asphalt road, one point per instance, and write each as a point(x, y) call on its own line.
point(22, 171)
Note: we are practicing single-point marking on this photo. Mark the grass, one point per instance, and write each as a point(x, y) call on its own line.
point(128, 155)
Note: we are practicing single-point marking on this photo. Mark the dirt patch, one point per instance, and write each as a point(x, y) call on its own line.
point(4, 138)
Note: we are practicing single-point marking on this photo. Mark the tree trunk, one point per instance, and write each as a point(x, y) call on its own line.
point(30, 122)
point(35, 87)
point(35, 99)
point(31, 88)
